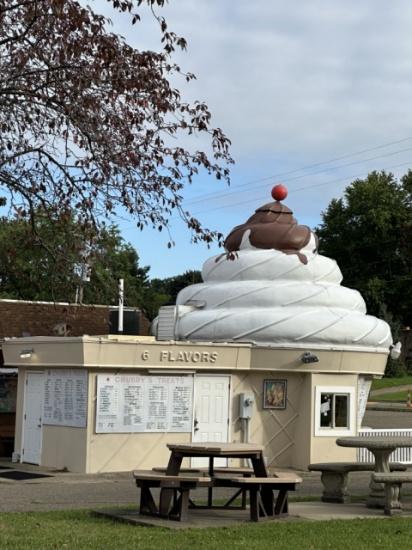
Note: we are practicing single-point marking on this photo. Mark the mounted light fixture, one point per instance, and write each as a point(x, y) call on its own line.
point(26, 353)
point(395, 351)
point(309, 357)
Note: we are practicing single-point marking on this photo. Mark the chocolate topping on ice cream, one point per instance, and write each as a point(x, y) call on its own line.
point(271, 226)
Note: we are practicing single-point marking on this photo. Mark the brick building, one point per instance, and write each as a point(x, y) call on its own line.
point(23, 318)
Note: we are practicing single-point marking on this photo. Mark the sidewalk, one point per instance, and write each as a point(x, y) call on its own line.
point(202, 519)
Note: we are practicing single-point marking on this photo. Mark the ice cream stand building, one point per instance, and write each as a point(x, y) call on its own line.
point(270, 348)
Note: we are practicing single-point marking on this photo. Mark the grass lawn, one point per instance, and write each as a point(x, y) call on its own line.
point(79, 529)
point(391, 382)
point(396, 397)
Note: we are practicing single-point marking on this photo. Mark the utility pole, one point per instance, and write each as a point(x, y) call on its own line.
point(120, 309)
point(85, 273)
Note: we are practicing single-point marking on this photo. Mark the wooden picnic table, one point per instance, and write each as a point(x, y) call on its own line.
point(212, 450)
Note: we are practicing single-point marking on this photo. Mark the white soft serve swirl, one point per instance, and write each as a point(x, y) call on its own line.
point(273, 299)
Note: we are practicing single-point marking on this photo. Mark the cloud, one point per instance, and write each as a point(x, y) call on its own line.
point(292, 83)
point(295, 77)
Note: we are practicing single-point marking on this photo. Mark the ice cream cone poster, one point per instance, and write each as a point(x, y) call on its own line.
point(274, 394)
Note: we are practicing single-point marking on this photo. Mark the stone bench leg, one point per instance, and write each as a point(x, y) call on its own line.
point(393, 504)
point(335, 487)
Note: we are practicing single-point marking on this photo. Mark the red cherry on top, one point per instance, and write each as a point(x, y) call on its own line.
point(279, 192)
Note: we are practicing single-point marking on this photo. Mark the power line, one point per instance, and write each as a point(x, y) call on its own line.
point(216, 195)
point(298, 189)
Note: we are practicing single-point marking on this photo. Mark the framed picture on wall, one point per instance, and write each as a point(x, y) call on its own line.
point(274, 394)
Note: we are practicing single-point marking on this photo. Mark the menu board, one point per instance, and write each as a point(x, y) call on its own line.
point(364, 386)
point(65, 398)
point(138, 403)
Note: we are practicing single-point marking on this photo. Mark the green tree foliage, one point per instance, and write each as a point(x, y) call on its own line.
point(113, 259)
point(369, 233)
point(164, 291)
point(29, 272)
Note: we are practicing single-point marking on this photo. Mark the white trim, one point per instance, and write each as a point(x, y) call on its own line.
point(333, 432)
point(24, 416)
point(171, 372)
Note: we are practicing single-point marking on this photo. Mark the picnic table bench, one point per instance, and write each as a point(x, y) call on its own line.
point(280, 482)
point(217, 472)
point(176, 483)
point(180, 485)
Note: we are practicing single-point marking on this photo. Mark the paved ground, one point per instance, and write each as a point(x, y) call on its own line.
point(65, 491)
point(388, 419)
point(313, 511)
point(71, 491)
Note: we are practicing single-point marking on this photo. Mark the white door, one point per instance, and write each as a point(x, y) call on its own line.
point(33, 413)
point(211, 413)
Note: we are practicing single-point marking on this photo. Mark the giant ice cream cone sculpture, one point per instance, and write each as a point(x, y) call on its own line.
point(272, 288)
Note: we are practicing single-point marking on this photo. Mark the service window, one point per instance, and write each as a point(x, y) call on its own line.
point(334, 410)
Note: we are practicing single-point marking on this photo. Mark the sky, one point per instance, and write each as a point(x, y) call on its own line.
point(312, 94)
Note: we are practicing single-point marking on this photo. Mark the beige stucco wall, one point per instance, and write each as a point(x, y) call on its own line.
point(146, 353)
point(272, 428)
point(287, 435)
point(124, 452)
point(335, 361)
point(64, 448)
point(300, 455)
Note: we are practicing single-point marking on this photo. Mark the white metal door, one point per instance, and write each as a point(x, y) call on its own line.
point(33, 413)
point(211, 413)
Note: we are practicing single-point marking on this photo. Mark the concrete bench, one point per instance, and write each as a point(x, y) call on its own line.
point(393, 483)
point(334, 477)
point(257, 486)
point(180, 486)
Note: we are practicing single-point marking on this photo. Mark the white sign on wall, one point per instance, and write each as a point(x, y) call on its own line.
point(137, 403)
point(65, 398)
point(364, 386)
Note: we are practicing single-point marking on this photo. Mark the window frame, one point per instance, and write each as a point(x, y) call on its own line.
point(322, 431)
